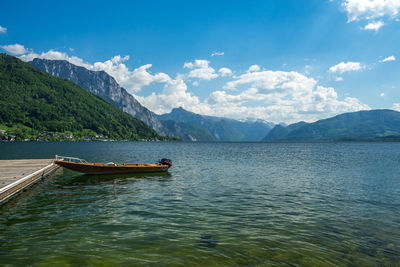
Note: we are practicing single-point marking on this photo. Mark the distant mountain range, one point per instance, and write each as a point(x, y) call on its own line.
point(372, 125)
point(189, 126)
point(197, 127)
point(32, 101)
point(179, 123)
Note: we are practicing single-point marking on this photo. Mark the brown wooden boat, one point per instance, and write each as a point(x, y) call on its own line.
point(81, 165)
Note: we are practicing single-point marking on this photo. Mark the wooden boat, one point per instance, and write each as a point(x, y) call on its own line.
point(81, 165)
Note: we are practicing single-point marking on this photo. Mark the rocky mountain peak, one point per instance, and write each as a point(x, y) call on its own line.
point(102, 84)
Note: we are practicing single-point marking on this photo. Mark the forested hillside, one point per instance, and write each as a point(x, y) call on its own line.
point(33, 102)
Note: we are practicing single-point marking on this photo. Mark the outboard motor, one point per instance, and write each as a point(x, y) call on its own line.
point(165, 161)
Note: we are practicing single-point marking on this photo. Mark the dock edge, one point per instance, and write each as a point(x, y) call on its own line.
point(7, 192)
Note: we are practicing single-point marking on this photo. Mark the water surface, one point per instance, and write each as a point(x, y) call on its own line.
point(232, 204)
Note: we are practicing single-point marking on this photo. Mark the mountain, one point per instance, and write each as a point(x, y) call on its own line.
point(36, 101)
point(103, 85)
point(197, 128)
point(215, 128)
point(362, 125)
point(281, 130)
point(187, 131)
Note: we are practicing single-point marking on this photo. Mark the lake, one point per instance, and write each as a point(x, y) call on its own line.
point(221, 204)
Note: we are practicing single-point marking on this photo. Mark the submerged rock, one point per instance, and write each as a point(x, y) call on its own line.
point(207, 240)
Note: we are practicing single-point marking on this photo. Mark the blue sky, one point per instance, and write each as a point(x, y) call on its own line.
point(285, 60)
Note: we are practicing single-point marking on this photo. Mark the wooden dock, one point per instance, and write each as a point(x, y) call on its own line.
point(17, 175)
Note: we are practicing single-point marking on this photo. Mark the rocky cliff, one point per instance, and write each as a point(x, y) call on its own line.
point(103, 85)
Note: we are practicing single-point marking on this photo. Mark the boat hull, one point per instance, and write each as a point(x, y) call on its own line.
point(101, 168)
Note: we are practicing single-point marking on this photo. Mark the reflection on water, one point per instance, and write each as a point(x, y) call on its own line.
point(101, 178)
point(229, 204)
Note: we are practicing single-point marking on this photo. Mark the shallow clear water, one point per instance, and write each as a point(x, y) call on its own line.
point(232, 204)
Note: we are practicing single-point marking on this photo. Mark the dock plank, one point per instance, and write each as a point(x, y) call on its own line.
point(16, 175)
point(12, 170)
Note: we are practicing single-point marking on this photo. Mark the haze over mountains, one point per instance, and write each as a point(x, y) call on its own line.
point(372, 125)
point(209, 128)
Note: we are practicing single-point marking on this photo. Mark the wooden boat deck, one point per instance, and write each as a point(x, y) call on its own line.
point(16, 175)
point(123, 164)
point(107, 168)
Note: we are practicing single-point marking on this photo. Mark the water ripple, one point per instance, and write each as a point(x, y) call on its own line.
point(222, 204)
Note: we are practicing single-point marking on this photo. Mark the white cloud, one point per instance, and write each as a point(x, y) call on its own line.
point(29, 57)
point(196, 83)
point(271, 80)
point(345, 67)
point(225, 72)
point(374, 26)
point(15, 49)
point(200, 69)
point(217, 54)
point(55, 55)
point(287, 96)
point(338, 79)
point(284, 96)
point(174, 95)
point(396, 106)
point(3, 29)
point(387, 59)
point(370, 9)
point(253, 68)
point(133, 80)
